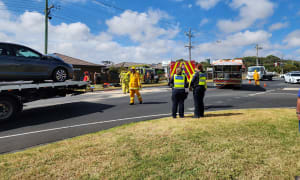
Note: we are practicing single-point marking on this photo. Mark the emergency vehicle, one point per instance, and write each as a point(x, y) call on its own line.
point(228, 72)
point(188, 68)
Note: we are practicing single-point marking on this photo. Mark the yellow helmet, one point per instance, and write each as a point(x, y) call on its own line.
point(133, 68)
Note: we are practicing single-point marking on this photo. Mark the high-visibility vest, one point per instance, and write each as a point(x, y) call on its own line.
point(202, 79)
point(179, 81)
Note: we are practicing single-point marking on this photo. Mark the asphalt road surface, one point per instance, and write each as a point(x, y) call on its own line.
point(52, 120)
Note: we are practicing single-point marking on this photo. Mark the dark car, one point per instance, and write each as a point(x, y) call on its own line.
point(18, 62)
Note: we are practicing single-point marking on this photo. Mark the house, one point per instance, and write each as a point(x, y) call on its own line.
point(80, 66)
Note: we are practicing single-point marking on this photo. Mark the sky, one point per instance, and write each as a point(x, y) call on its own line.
point(152, 31)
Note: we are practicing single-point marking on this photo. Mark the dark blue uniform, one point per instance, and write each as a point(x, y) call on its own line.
point(178, 97)
point(199, 93)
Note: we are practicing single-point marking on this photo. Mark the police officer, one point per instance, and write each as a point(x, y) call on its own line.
point(199, 86)
point(179, 83)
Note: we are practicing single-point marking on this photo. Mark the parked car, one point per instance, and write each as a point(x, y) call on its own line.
point(18, 62)
point(293, 78)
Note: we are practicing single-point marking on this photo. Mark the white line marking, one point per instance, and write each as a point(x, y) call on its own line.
point(291, 89)
point(257, 94)
point(284, 94)
point(81, 125)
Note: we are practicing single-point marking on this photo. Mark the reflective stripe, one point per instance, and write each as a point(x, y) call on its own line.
point(179, 81)
point(202, 79)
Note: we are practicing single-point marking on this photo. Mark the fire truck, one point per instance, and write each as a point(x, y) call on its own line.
point(188, 68)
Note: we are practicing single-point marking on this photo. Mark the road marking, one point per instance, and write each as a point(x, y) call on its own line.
point(293, 94)
point(257, 94)
point(291, 89)
point(81, 125)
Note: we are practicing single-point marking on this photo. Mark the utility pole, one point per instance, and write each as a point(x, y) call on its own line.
point(47, 17)
point(281, 64)
point(190, 35)
point(257, 49)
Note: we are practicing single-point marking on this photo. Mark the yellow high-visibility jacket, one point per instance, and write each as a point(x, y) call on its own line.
point(124, 77)
point(256, 76)
point(134, 82)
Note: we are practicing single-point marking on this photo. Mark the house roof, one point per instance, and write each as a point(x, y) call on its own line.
point(129, 64)
point(75, 61)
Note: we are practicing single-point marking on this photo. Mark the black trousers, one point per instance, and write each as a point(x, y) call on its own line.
point(199, 93)
point(178, 97)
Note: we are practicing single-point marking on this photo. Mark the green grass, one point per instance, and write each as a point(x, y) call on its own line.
point(243, 144)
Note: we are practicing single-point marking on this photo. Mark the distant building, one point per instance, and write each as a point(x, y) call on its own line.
point(80, 66)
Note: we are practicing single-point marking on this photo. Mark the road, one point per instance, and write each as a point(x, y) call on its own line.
point(52, 120)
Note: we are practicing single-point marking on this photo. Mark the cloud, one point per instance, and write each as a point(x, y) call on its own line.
point(141, 27)
point(204, 21)
point(278, 26)
point(152, 42)
point(232, 45)
point(207, 4)
point(293, 39)
point(189, 5)
point(249, 13)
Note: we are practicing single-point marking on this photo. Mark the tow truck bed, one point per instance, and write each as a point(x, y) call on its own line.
point(14, 94)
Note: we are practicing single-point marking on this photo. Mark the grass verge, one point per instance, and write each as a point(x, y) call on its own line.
point(243, 144)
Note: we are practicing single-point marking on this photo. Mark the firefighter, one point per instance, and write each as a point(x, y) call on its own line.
point(199, 86)
point(179, 83)
point(135, 86)
point(256, 78)
point(124, 80)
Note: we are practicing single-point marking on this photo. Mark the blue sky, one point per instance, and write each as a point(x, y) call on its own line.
point(153, 30)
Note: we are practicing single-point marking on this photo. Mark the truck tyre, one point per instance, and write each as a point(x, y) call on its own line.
point(60, 75)
point(270, 78)
point(9, 108)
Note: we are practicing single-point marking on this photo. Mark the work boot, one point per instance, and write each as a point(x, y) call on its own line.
point(131, 104)
point(141, 102)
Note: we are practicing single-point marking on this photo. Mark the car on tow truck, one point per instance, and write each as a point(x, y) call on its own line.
point(18, 62)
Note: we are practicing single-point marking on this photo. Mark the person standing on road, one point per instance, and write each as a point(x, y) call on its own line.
point(199, 86)
point(298, 108)
point(86, 76)
point(256, 78)
point(179, 83)
point(124, 80)
point(135, 86)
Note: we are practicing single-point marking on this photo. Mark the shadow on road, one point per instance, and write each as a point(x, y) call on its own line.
point(223, 115)
point(155, 103)
point(250, 87)
point(218, 107)
point(53, 113)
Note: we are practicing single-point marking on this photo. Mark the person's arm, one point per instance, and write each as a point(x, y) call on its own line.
point(172, 82)
point(298, 106)
point(206, 81)
point(139, 81)
point(191, 85)
point(186, 85)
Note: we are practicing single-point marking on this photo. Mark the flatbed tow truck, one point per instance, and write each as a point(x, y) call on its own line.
point(14, 94)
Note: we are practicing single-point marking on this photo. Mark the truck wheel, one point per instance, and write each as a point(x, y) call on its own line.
point(270, 79)
point(60, 75)
point(9, 108)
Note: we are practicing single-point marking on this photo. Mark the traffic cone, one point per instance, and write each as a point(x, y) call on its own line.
point(265, 85)
point(249, 81)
